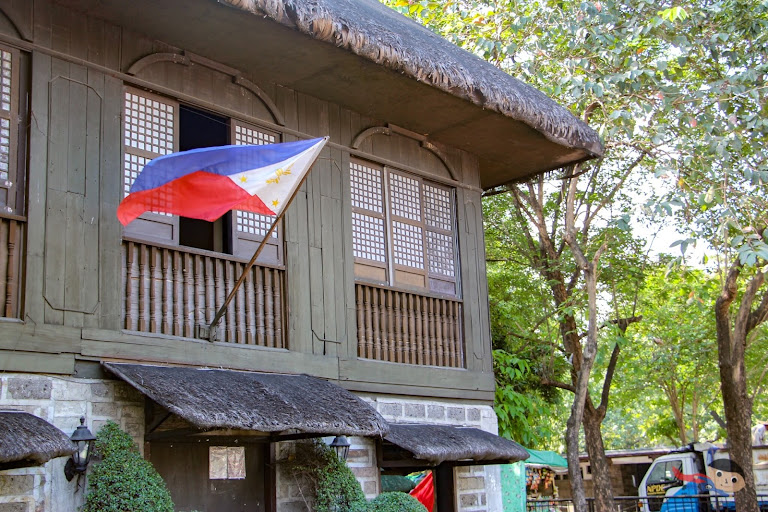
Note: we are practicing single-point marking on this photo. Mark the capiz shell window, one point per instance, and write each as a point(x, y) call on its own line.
point(403, 229)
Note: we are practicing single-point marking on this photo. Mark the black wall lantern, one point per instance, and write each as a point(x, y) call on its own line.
point(78, 463)
point(341, 445)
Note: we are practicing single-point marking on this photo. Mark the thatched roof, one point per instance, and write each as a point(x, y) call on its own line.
point(26, 440)
point(375, 32)
point(273, 403)
point(444, 443)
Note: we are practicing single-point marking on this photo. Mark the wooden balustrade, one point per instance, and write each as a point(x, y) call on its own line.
point(406, 327)
point(170, 291)
point(10, 265)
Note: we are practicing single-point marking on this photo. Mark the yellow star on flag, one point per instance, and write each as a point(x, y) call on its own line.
point(243, 178)
point(275, 203)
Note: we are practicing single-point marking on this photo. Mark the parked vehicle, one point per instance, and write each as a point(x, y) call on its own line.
point(700, 478)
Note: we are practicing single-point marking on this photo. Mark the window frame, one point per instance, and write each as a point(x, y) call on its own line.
point(393, 271)
point(160, 228)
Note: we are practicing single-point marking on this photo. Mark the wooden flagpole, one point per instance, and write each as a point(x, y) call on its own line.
point(222, 310)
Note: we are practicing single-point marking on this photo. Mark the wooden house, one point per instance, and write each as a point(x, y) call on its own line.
point(367, 310)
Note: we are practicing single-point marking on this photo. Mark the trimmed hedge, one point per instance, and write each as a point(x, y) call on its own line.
point(123, 481)
point(395, 502)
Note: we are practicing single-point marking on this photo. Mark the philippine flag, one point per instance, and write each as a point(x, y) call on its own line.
point(208, 182)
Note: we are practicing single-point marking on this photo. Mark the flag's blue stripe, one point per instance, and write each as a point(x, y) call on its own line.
point(221, 160)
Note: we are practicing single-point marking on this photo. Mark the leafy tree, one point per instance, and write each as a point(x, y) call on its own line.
point(678, 92)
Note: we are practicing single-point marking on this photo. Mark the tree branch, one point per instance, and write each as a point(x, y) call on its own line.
point(557, 384)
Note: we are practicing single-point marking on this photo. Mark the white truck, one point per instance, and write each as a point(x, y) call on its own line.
point(700, 478)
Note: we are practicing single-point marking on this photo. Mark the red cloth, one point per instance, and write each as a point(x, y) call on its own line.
point(425, 492)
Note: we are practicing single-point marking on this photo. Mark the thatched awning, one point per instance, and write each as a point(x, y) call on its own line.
point(435, 444)
point(26, 440)
point(271, 403)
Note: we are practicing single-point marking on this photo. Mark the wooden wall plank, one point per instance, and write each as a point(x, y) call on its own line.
point(36, 206)
point(111, 185)
point(36, 362)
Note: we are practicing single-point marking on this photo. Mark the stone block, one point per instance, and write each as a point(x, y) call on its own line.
point(359, 455)
point(456, 414)
point(29, 389)
point(17, 506)
point(70, 390)
point(126, 393)
point(391, 410)
point(69, 408)
point(16, 485)
point(483, 499)
point(104, 409)
point(367, 472)
point(468, 500)
point(473, 414)
point(436, 412)
point(132, 413)
point(293, 506)
point(102, 392)
point(471, 483)
point(370, 487)
point(415, 410)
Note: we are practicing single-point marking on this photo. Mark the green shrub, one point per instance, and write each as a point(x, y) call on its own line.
point(333, 485)
point(395, 502)
point(123, 481)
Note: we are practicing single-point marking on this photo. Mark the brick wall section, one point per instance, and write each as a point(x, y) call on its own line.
point(478, 488)
point(61, 401)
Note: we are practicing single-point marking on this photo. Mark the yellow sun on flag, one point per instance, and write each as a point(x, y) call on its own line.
point(278, 174)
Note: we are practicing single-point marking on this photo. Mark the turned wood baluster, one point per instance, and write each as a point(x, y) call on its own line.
point(5, 241)
point(260, 321)
point(431, 331)
point(165, 324)
point(250, 314)
point(369, 349)
point(420, 349)
point(279, 341)
point(178, 293)
point(411, 329)
point(457, 312)
point(11, 274)
point(438, 330)
point(389, 334)
point(378, 355)
point(130, 300)
point(270, 308)
point(360, 321)
point(190, 295)
point(142, 288)
point(152, 282)
point(227, 283)
point(402, 354)
point(448, 332)
point(208, 299)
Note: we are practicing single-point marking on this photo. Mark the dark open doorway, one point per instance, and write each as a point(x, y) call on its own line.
point(203, 129)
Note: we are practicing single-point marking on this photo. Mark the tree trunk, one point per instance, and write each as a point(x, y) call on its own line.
point(601, 471)
point(731, 346)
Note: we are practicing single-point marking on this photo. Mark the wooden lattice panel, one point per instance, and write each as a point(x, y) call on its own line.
point(6, 59)
point(440, 254)
point(405, 197)
point(365, 183)
point(250, 222)
point(408, 245)
point(368, 238)
point(148, 124)
point(5, 149)
point(437, 208)
point(254, 223)
point(245, 135)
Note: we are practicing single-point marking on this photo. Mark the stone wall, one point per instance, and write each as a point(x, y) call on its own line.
point(61, 401)
point(478, 488)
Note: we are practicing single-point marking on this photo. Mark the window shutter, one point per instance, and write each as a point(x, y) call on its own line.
point(150, 130)
point(369, 246)
point(12, 174)
point(248, 228)
point(408, 229)
point(440, 238)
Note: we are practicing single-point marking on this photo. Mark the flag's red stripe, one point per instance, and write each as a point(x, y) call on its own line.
point(182, 197)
